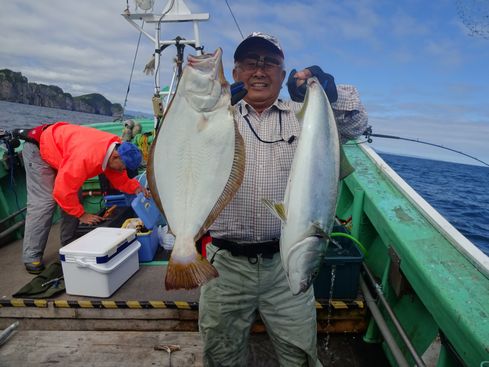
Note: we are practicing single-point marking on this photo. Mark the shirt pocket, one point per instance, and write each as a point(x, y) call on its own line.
point(283, 154)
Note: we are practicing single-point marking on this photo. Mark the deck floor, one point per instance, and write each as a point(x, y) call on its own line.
point(52, 337)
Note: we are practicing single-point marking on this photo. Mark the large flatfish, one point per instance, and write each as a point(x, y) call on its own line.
point(196, 165)
point(309, 206)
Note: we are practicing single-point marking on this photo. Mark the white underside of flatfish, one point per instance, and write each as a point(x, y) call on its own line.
point(197, 164)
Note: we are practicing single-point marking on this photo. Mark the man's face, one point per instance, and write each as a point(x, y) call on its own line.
point(262, 73)
point(115, 162)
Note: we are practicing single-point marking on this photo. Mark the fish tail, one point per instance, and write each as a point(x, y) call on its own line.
point(188, 272)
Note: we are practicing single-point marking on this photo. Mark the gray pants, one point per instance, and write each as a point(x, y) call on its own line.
point(41, 206)
point(228, 306)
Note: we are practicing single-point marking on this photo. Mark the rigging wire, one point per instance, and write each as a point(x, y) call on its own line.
point(235, 20)
point(368, 133)
point(132, 72)
point(158, 27)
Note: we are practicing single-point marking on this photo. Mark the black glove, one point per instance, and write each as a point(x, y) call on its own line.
point(327, 81)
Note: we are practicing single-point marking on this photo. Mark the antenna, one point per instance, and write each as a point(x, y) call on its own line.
point(174, 11)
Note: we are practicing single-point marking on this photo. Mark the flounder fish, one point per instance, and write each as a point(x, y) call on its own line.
point(309, 206)
point(196, 165)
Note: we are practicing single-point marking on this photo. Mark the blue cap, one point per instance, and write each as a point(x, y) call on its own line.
point(130, 155)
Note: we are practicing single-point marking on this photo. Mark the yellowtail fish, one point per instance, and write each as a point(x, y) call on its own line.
point(309, 206)
point(196, 165)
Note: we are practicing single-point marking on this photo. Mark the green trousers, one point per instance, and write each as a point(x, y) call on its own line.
point(228, 307)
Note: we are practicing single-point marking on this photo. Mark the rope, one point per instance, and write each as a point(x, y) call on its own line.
point(132, 72)
point(144, 146)
point(235, 20)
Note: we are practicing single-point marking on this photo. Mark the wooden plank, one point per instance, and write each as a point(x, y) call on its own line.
point(99, 348)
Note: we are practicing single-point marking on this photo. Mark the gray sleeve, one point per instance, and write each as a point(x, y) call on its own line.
point(350, 114)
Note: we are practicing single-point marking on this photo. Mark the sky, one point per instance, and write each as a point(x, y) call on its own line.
point(421, 67)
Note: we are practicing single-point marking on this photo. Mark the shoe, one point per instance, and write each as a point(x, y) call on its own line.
point(34, 267)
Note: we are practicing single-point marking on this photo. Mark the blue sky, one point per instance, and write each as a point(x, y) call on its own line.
point(419, 71)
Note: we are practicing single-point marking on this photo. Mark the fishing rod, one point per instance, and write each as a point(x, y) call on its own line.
point(368, 135)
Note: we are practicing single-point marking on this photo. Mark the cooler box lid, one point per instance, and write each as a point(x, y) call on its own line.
point(98, 246)
point(147, 211)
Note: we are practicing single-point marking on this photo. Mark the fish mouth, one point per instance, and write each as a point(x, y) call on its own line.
point(205, 63)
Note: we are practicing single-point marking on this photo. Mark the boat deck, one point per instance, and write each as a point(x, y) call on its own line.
point(126, 328)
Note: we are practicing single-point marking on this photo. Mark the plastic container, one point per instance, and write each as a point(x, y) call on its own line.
point(98, 263)
point(148, 241)
point(167, 240)
point(118, 199)
point(348, 261)
point(147, 210)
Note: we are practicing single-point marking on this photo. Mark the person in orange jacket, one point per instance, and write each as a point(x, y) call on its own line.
point(58, 158)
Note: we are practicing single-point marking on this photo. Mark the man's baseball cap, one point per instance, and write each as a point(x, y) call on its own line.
point(258, 39)
point(130, 155)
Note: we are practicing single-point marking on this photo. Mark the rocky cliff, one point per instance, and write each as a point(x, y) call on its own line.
point(16, 88)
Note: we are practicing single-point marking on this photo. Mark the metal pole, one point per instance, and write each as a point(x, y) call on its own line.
point(197, 37)
point(394, 319)
point(12, 215)
point(384, 329)
point(12, 229)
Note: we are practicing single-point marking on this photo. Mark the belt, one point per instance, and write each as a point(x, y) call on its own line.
point(251, 250)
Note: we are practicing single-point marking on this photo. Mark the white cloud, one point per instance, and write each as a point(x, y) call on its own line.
point(418, 74)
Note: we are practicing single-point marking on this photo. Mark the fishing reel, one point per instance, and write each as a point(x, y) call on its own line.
point(368, 134)
point(9, 139)
point(10, 159)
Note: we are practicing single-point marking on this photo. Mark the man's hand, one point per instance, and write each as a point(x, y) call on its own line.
point(297, 87)
point(143, 189)
point(90, 219)
point(301, 76)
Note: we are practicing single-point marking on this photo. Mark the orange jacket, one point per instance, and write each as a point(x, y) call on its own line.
point(77, 153)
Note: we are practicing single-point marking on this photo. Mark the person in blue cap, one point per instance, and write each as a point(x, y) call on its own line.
point(245, 237)
point(58, 159)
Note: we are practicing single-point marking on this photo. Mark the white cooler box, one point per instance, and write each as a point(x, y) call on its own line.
point(98, 263)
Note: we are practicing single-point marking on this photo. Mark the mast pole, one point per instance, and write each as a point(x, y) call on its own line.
point(174, 11)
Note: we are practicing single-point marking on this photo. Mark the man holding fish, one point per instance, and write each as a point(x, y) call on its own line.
point(245, 236)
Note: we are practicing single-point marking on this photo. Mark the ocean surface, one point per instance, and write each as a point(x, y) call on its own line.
point(459, 192)
point(18, 115)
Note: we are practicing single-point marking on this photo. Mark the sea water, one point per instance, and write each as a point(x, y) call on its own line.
point(18, 115)
point(457, 191)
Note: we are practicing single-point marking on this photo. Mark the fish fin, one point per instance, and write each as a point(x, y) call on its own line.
point(188, 272)
point(150, 177)
point(277, 209)
point(233, 184)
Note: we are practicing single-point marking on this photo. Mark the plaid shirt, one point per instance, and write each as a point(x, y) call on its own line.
point(245, 218)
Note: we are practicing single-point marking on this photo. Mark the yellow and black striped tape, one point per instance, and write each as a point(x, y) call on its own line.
point(133, 304)
point(340, 304)
point(18, 302)
point(181, 305)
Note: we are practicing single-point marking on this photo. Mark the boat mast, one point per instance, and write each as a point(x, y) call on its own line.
point(174, 11)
